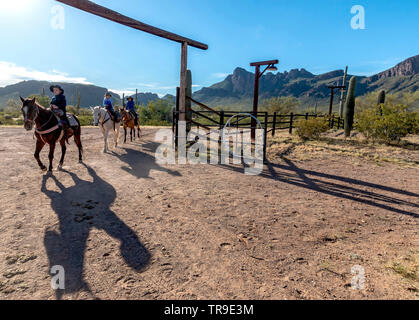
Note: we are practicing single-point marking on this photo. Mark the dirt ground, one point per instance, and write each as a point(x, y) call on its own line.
point(124, 227)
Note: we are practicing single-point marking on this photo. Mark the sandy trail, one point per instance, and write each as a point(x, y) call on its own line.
point(125, 227)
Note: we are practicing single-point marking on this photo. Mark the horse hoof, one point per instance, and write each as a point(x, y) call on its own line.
point(80, 161)
point(60, 167)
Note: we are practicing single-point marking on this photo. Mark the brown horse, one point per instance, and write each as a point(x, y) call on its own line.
point(128, 121)
point(48, 131)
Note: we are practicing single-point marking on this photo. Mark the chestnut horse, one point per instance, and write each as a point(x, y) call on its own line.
point(128, 121)
point(48, 131)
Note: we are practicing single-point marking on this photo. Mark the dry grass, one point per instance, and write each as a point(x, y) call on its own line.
point(408, 268)
point(405, 154)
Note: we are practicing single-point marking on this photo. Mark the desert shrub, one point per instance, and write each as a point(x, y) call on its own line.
point(311, 129)
point(395, 123)
point(282, 105)
point(85, 120)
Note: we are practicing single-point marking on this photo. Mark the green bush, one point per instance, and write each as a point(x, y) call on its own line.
point(85, 120)
point(311, 129)
point(395, 123)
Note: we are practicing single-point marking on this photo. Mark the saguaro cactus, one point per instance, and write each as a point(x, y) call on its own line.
point(381, 101)
point(350, 107)
point(78, 102)
point(382, 97)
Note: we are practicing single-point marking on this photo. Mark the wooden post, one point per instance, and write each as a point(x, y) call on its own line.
point(342, 94)
point(177, 117)
point(183, 82)
point(255, 101)
point(220, 142)
point(333, 121)
point(265, 136)
point(331, 101)
point(221, 119)
point(306, 115)
point(188, 102)
point(291, 121)
point(274, 125)
point(136, 97)
point(106, 13)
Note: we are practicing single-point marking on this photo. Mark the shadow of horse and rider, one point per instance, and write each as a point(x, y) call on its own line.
point(67, 247)
point(140, 163)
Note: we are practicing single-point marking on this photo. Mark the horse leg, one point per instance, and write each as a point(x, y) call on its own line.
point(63, 151)
point(105, 141)
point(39, 146)
point(51, 155)
point(130, 134)
point(125, 134)
point(77, 140)
point(116, 132)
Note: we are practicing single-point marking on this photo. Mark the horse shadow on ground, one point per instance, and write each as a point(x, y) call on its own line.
point(139, 163)
point(338, 186)
point(67, 248)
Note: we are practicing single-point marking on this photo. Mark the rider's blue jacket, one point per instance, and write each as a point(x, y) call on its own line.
point(130, 106)
point(107, 103)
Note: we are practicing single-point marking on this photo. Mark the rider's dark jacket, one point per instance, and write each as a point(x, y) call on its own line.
point(61, 103)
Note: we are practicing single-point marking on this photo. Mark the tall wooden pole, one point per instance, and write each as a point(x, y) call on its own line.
point(255, 101)
point(332, 95)
point(342, 94)
point(136, 97)
point(183, 82)
point(106, 13)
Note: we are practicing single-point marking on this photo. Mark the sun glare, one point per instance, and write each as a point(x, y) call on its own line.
point(17, 6)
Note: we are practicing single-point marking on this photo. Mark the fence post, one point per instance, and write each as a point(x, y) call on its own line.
point(265, 135)
point(177, 117)
point(338, 123)
point(274, 125)
point(291, 121)
point(219, 139)
point(333, 121)
point(306, 115)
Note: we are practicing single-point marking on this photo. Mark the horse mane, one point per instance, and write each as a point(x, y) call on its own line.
point(39, 106)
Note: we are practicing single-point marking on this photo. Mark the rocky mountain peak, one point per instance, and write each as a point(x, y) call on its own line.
point(409, 67)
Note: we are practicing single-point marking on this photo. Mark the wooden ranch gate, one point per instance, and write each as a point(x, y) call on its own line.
point(211, 119)
point(114, 16)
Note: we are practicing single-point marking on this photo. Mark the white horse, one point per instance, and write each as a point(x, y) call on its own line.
point(102, 118)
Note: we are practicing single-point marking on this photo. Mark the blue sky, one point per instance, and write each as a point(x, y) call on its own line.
point(315, 35)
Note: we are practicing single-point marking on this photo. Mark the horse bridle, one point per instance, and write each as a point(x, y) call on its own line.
point(34, 118)
point(102, 123)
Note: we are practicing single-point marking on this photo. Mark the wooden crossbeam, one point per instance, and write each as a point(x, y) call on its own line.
point(106, 13)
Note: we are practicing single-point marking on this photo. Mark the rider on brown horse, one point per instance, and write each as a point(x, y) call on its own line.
point(59, 107)
point(130, 107)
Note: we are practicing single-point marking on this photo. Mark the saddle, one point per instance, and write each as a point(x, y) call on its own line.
point(134, 116)
point(116, 117)
point(71, 119)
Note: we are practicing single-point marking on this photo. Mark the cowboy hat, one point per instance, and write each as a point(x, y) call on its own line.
point(51, 88)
